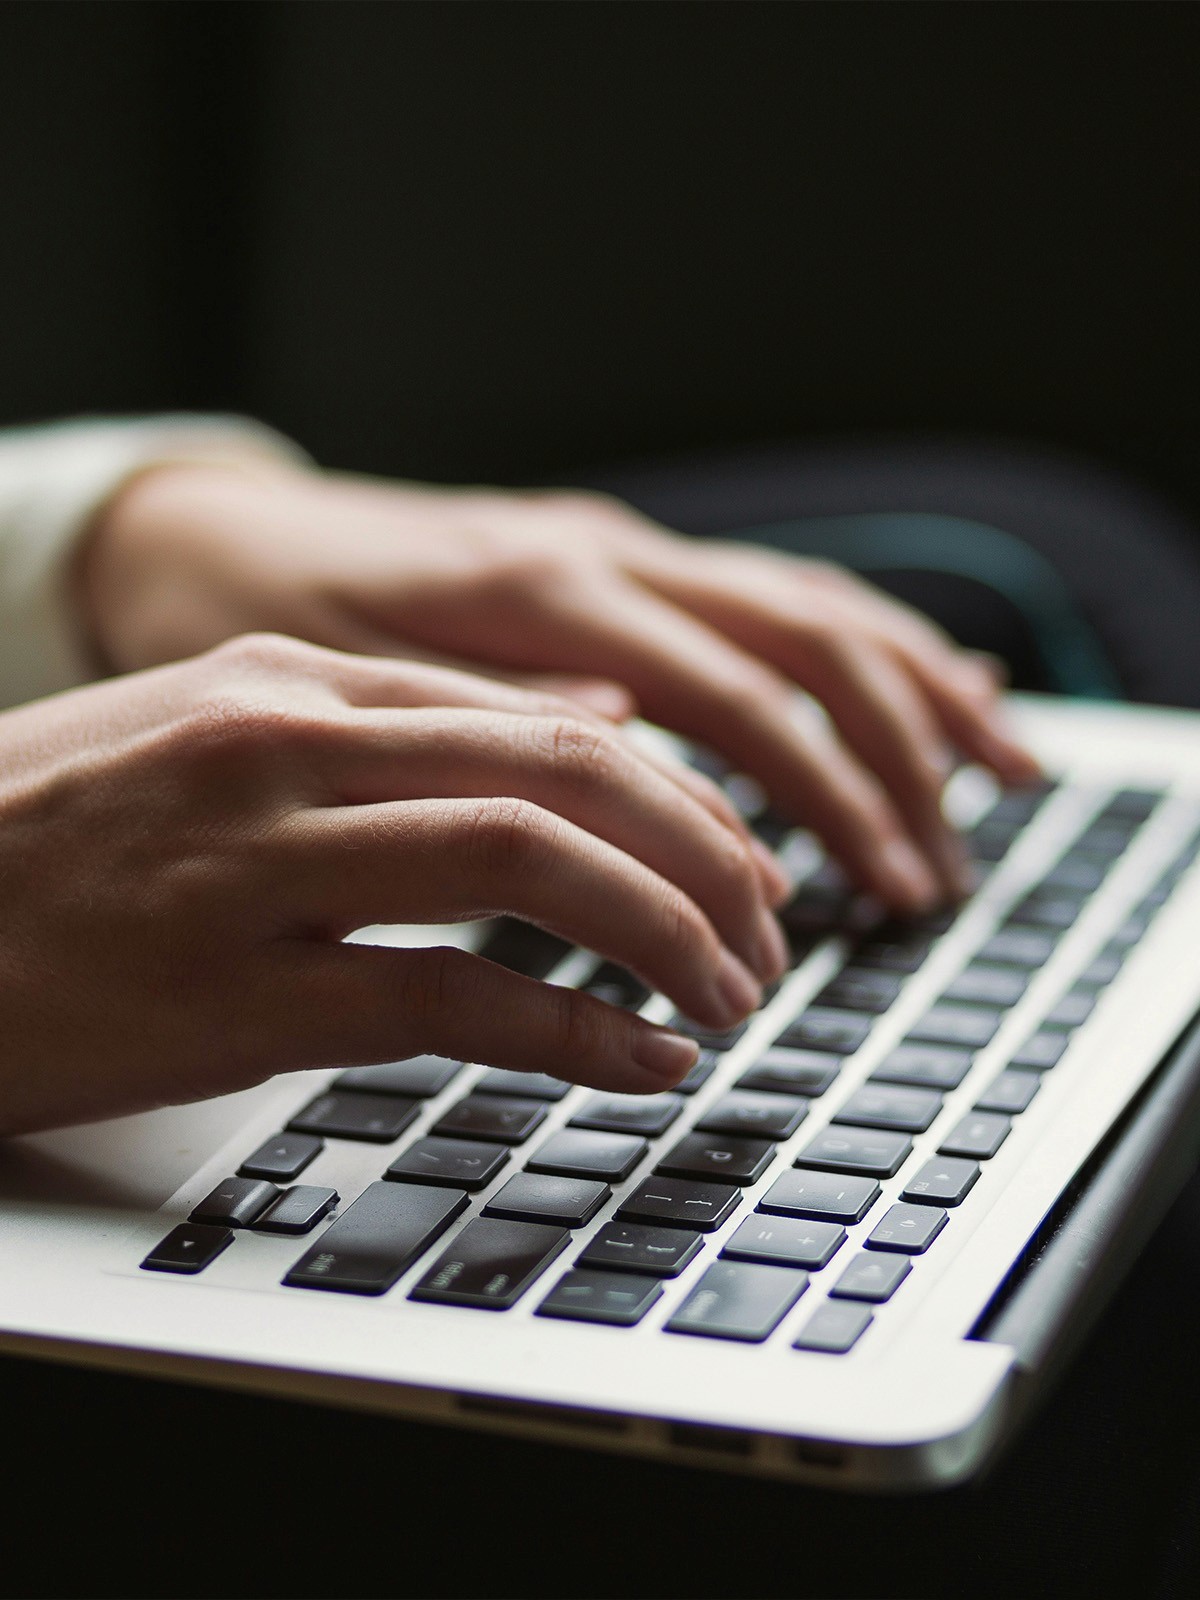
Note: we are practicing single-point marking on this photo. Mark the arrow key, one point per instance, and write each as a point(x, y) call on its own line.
point(188, 1249)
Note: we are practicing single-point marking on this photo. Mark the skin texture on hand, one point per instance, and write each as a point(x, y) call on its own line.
point(184, 849)
point(580, 594)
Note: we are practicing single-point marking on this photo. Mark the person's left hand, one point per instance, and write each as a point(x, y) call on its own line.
point(579, 594)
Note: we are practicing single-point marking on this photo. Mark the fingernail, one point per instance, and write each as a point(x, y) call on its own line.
point(772, 960)
point(912, 879)
point(775, 879)
point(734, 991)
point(668, 1055)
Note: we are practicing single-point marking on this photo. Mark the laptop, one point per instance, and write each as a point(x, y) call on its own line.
point(851, 1249)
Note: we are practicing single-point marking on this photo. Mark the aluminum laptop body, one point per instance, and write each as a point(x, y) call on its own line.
point(869, 1295)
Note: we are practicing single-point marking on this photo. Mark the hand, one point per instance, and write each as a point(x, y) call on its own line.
point(707, 639)
point(183, 850)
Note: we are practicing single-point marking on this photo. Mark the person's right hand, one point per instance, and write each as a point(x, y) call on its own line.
point(183, 851)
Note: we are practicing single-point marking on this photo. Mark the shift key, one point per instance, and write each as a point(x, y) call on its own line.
point(375, 1239)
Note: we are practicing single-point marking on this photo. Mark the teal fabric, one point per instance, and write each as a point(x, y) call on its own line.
point(1075, 659)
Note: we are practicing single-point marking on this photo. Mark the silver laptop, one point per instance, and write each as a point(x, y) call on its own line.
point(851, 1249)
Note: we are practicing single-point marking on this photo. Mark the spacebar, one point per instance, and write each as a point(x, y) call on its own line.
point(386, 1228)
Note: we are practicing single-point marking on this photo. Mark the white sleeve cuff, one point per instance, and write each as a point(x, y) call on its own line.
point(53, 481)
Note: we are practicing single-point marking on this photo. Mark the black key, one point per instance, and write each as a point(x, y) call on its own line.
point(298, 1210)
point(817, 908)
point(719, 1157)
point(886, 1105)
point(492, 1263)
point(235, 1202)
point(990, 843)
point(856, 1150)
point(1020, 947)
point(786, 1241)
point(537, 1197)
point(970, 1027)
point(839, 1032)
point(934, 1066)
point(864, 989)
point(370, 1245)
point(532, 1085)
point(908, 1229)
point(699, 1074)
point(978, 1136)
point(420, 1077)
point(582, 1153)
point(189, 1248)
point(1102, 969)
point(944, 1181)
point(1016, 807)
point(282, 1158)
point(772, 829)
point(1041, 1050)
point(1106, 840)
point(708, 1038)
point(649, 1115)
point(894, 949)
point(739, 1300)
point(675, 1202)
point(989, 986)
point(1076, 874)
point(523, 948)
point(452, 1163)
point(771, 1116)
point(1132, 929)
point(824, 1195)
point(1133, 805)
point(1073, 1010)
point(611, 1297)
point(1010, 1092)
point(872, 1277)
point(617, 987)
point(806, 1072)
point(834, 1328)
point(630, 1247)
point(1059, 911)
point(491, 1117)
point(374, 1118)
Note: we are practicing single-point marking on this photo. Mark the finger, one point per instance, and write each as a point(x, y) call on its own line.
point(351, 1005)
point(452, 860)
point(579, 771)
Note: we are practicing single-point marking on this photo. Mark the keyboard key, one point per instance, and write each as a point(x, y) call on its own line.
point(282, 1158)
point(1102, 969)
point(771, 1116)
point(677, 1203)
point(1016, 807)
point(739, 1300)
point(648, 1115)
point(374, 1118)
point(583, 1153)
point(1133, 805)
point(188, 1249)
point(872, 1277)
point(708, 1038)
point(909, 1229)
point(298, 1210)
point(856, 1150)
point(452, 1163)
point(824, 1195)
point(990, 844)
point(492, 1263)
point(1019, 947)
point(537, 1197)
point(617, 987)
point(934, 1066)
point(632, 1247)
point(989, 986)
point(615, 1298)
point(944, 1181)
point(699, 1074)
point(523, 948)
point(1059, 911)
point(1041, 1050)
point(894, 949)
point(834, 1328)
point(420, 1077)
point(719, 1157)
point(370, 1245)
point(978, 1136)
point(1076, 874)
point(970, 1027)
point(865, 989)
point(532, 1085)
point(1073, 1010)
point(1133, 928)
point(491, 1117)
point(235, 1202)
point(885, 1105)
point(806, 1072)
point(786, 1241)
point(839, 1032)
point(1010, 1092)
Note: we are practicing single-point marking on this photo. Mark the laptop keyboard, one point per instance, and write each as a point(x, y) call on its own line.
point(636, 1191)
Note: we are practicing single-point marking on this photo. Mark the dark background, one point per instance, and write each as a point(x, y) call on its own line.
point(507, 240)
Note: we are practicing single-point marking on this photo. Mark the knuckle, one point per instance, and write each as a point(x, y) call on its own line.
point(518, 576)
point(432, 984)
point(504, 836)
point(577, 1030)
point(581, 754)
point(262, 652)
